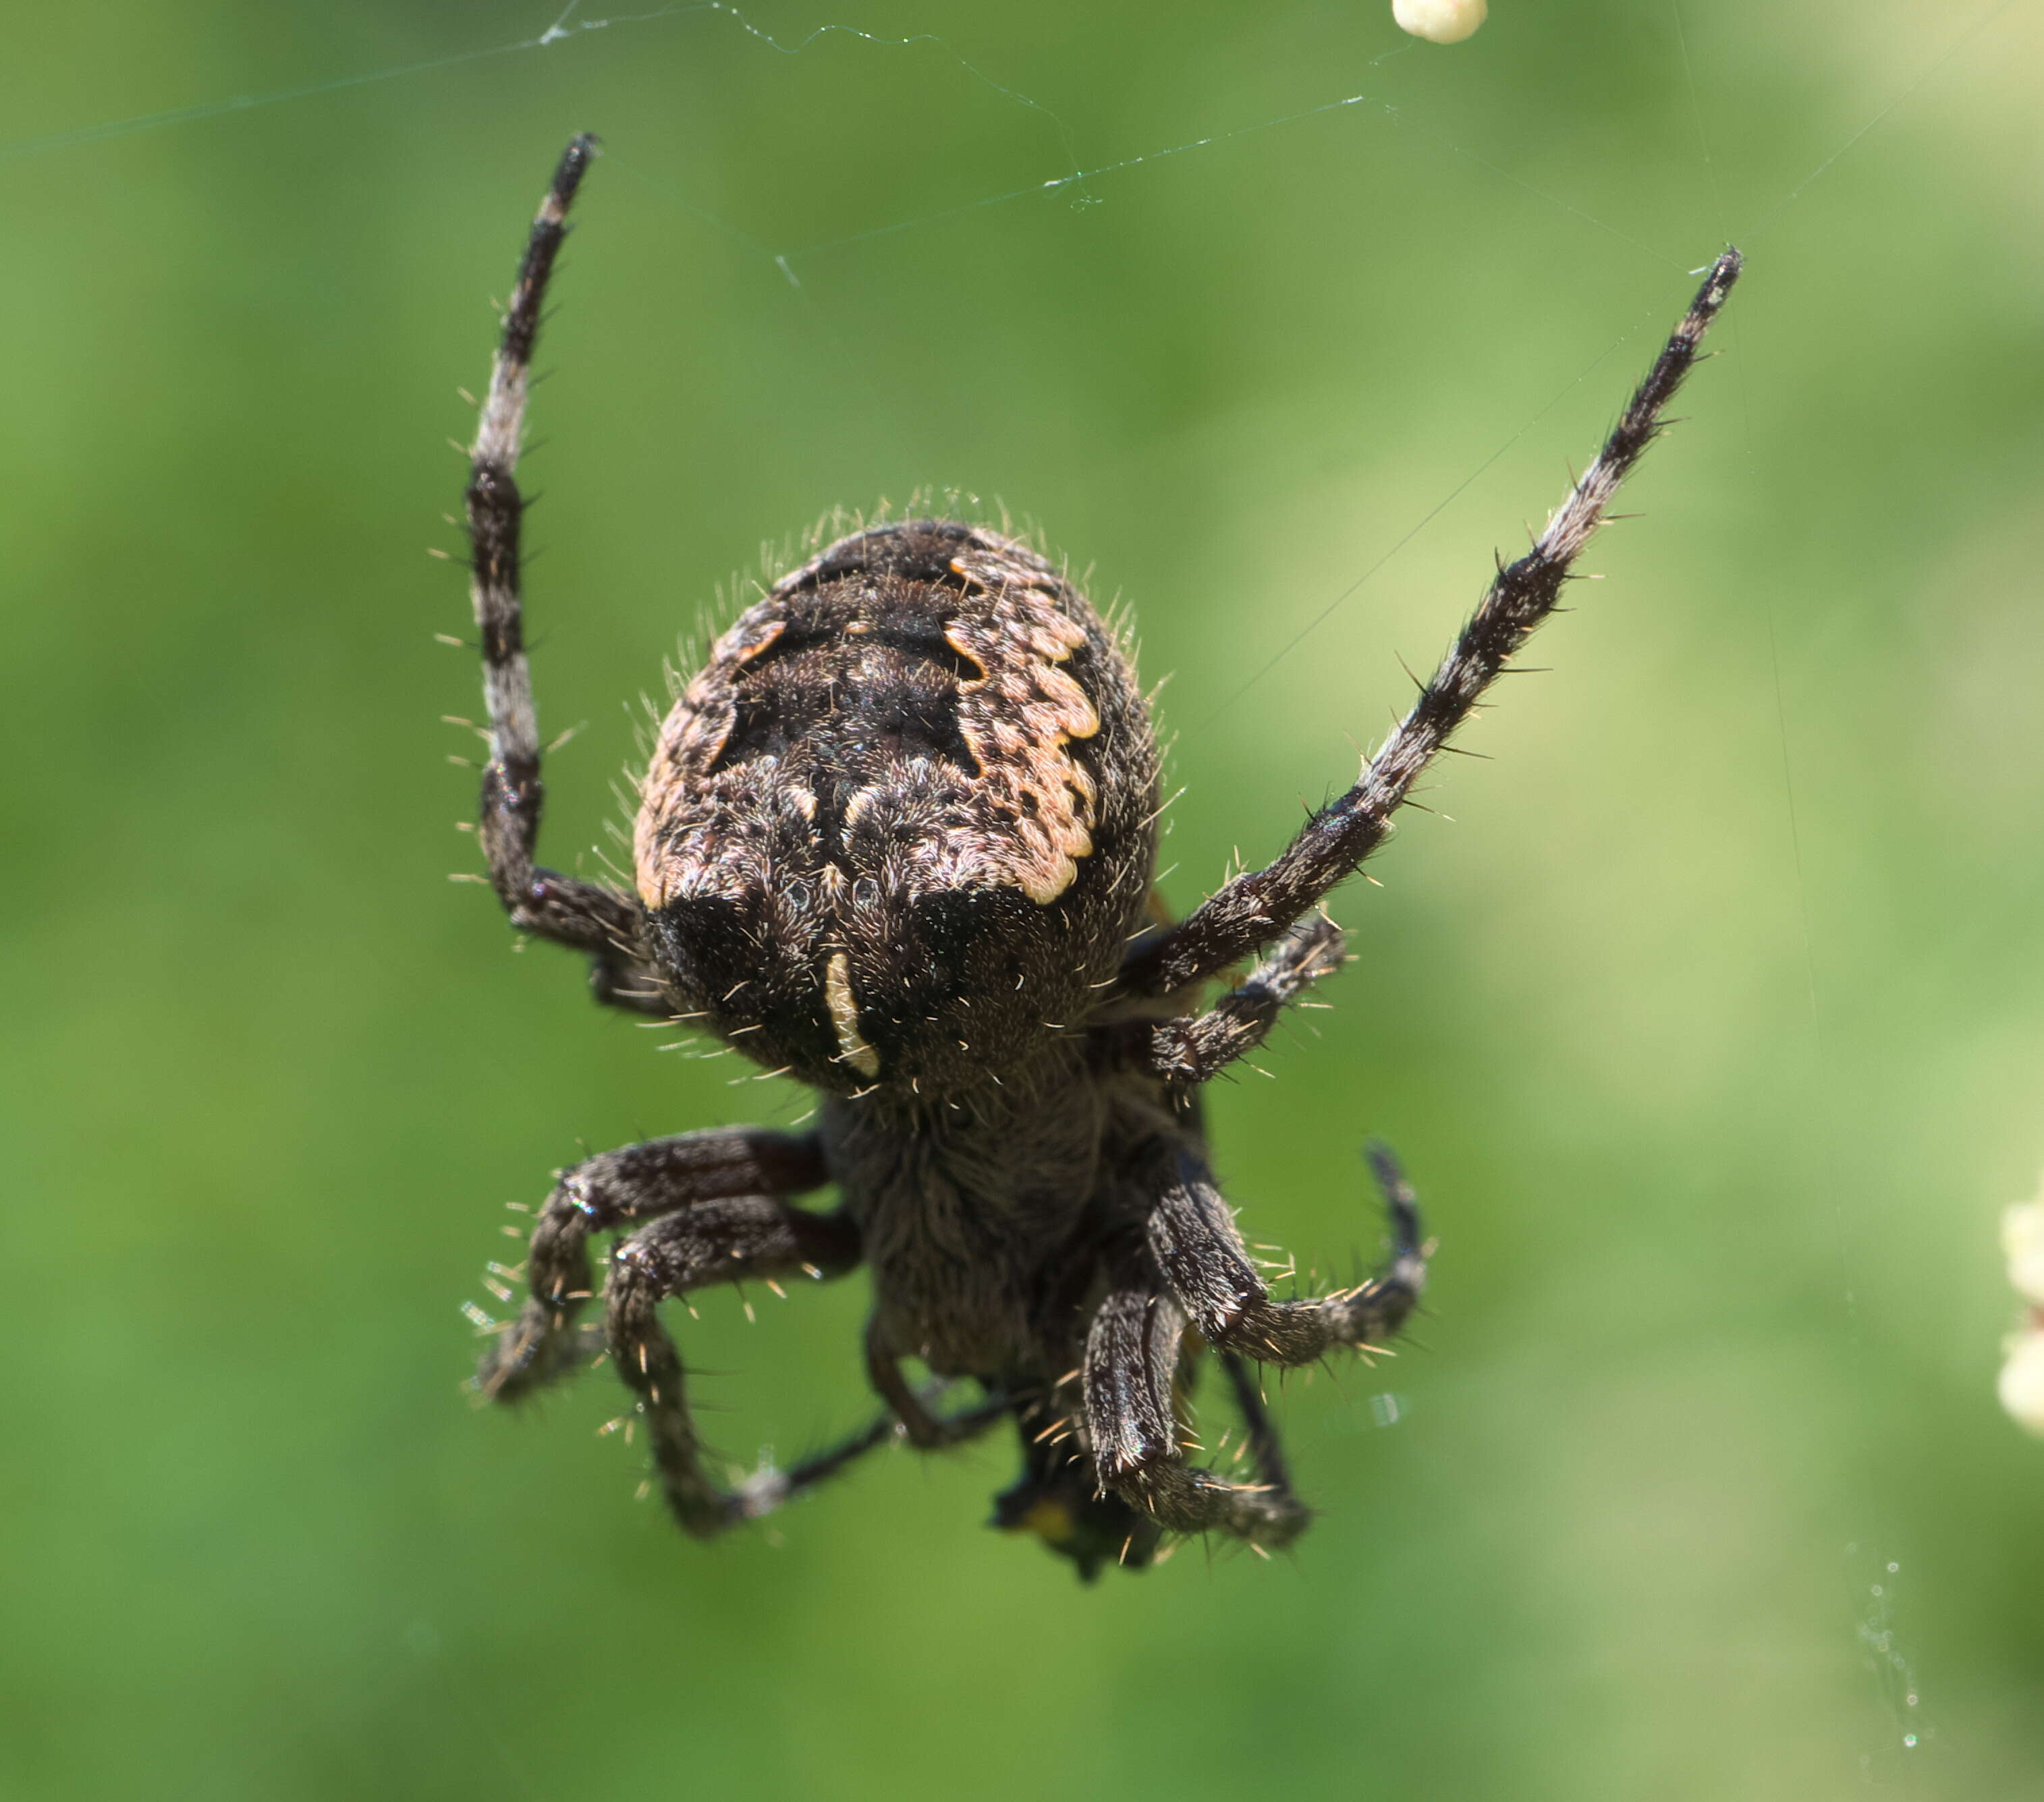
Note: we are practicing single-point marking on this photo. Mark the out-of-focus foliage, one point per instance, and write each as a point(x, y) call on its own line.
point(1712, 1029)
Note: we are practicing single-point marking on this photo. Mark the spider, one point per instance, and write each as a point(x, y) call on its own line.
point(898, 840)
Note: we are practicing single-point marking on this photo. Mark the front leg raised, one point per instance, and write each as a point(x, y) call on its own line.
point(1260, 905)
point(594, 918)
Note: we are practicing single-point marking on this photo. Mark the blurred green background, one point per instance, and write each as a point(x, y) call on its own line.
point(1712, 1029)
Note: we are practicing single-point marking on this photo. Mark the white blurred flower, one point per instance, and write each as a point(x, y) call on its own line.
point(1439, 21)
point(2022, 1385)
point(2023, 1240)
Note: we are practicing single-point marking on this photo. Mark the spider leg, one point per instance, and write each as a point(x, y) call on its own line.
point(925, 1430)
point(1199, 1268)
point(1131, 1362)
point(1265, 1449)
point(586, 916)
point(1058, 1498)
point(1258, 905)
point(768, 1490)
point(1185, 1052)
point(748, 1235)
point(1193, 1238)
point(616, 1189)
point(618, 980)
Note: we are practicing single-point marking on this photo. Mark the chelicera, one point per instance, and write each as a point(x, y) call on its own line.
point(898, 840)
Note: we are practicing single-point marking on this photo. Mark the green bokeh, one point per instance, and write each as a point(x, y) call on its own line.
point(1713, 1029)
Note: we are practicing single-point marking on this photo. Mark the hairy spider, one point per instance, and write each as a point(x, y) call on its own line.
point(898, 840)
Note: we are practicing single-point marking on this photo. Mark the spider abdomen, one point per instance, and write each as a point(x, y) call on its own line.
point(904, 816)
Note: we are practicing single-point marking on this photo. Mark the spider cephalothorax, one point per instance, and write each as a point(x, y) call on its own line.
point(897, 839)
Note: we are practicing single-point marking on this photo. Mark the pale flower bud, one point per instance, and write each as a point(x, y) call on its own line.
point(1439, 21)
point(2022, 1240)
point(2022, 1385)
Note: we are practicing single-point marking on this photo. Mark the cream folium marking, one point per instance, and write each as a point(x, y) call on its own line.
point(843, 1005)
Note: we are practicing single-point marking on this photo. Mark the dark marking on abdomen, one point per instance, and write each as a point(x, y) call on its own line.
point(860, 681)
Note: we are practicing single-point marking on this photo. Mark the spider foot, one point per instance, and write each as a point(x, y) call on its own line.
point(531, 1352)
